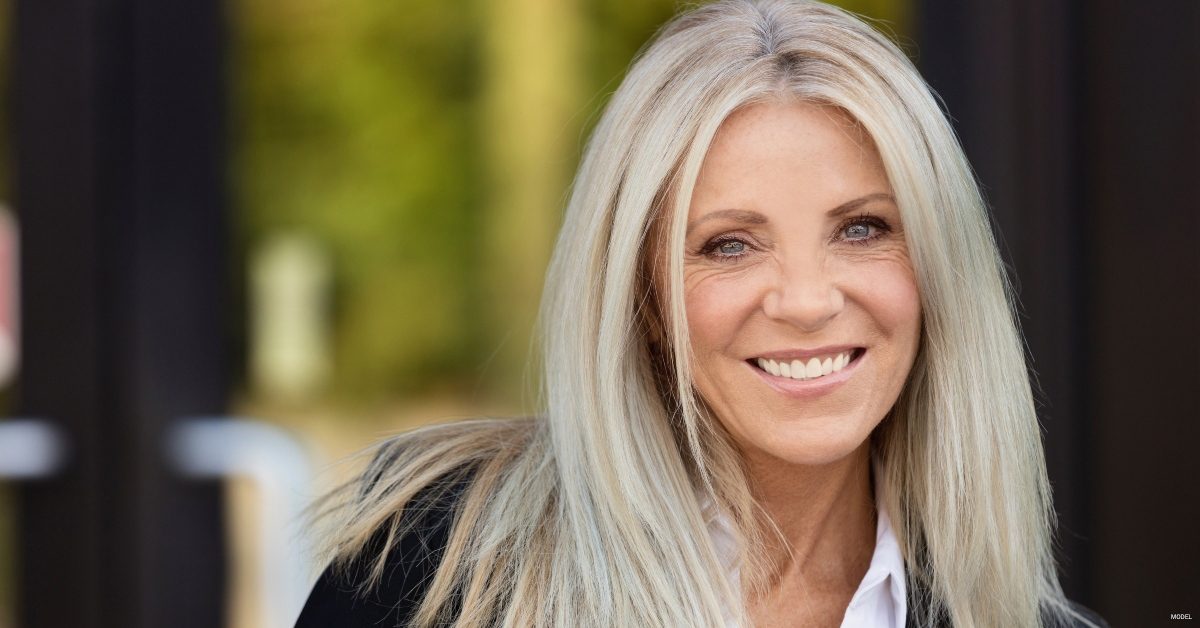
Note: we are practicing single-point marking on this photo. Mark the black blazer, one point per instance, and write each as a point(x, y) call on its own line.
point(411, 564)
point(335, 602)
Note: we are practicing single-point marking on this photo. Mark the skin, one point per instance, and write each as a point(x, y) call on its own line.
point(782, 272)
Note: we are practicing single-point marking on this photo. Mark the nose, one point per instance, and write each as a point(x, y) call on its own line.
point(804, 294)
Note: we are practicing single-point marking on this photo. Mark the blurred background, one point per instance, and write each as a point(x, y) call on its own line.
point(241, 240)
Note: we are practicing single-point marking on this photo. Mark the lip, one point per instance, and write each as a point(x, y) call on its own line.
point(809, 388)
point(805, 354)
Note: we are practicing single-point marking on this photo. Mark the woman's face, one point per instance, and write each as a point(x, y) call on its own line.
point(801, 301)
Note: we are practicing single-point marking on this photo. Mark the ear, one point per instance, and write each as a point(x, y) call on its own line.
point(649, 302)
point(652, 270)
point(649, 316)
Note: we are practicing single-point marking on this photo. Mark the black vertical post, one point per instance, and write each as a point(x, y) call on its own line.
point(118, 122)
point(1083, 123)
point(1008, 74)
point(1143, 166)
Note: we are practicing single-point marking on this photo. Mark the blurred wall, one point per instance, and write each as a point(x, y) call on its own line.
point(1083, 123)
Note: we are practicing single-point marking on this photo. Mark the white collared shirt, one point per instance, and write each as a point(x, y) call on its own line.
point(880, 600)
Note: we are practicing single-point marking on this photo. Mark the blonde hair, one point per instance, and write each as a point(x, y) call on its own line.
point(588, 516)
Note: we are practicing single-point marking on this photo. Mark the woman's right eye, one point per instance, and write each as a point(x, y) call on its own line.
point(726, 249)
point(732, 248)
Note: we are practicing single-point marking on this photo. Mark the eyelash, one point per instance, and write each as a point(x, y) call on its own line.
point(882, 228)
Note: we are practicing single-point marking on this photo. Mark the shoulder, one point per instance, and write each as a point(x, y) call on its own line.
point(339, 598)
point(917, 595)
point(1085, 613)
point(458, 455)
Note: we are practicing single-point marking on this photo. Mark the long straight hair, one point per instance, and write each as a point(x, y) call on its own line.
point(588, 515)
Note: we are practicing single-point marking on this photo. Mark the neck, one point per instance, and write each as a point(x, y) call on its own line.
point(825, 515)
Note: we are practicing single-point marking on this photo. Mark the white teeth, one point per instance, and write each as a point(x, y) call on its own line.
point(814, 368)
point(769, 366)
point(798, 370)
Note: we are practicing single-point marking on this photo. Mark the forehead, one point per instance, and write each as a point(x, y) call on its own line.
point(789, 116)
point(787, 151)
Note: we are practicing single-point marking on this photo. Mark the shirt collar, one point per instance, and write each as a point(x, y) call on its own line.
point(884, 577)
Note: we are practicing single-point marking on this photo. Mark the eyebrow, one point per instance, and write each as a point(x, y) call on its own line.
point(744, 216)
point(850, 206)
point(749, 217)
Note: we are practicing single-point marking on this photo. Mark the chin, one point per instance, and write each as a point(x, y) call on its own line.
point(815, 450)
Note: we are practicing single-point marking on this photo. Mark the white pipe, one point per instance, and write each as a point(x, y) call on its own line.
point(277, 464)
point(30, 449)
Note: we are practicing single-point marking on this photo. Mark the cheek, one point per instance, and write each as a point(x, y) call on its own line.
point(888, 289)
point(717, 306)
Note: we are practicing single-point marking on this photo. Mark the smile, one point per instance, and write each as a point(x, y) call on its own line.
point(808, 374)
point(808, 368)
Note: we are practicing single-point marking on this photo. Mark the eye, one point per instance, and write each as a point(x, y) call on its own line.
point(725, 248)
point(862, 229)
point(857, 231)
point(731, 247)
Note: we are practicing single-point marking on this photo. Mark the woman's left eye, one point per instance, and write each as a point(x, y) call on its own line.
point(863, 229)
point(857, 231)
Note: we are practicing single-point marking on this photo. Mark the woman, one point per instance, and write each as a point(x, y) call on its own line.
point(782, 384)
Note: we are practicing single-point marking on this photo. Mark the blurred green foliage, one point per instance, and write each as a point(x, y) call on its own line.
point(362, 123)
point(355, 122)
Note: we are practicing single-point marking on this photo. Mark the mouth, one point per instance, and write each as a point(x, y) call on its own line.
point(809, 366)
